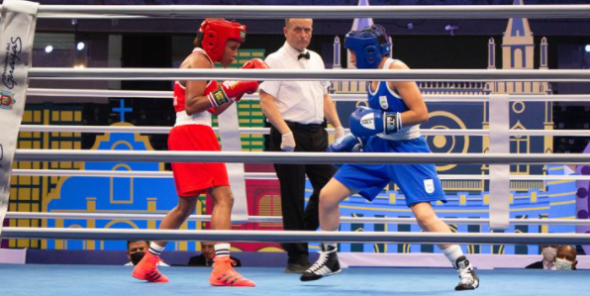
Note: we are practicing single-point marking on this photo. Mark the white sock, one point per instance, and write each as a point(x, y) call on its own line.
point(222, 250)
point(156, 249)
point(453, 253)
point(329, 245)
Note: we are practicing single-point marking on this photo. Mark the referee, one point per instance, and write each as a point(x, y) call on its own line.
point(297, 111)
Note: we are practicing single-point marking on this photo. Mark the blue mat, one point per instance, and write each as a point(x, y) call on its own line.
point(87, 280)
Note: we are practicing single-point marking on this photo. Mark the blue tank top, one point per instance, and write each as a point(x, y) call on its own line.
point(385, 99)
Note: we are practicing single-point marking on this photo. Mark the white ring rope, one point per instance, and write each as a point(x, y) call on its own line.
point(284, 74)
point(266, 131)
point(100, 93)
point(255, 176)
point(317, 12)
point(296, 236)
point(103, 93)
point(297, 157)
point(279, 219)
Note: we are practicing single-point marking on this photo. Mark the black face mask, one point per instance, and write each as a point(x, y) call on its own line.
point(136, 257)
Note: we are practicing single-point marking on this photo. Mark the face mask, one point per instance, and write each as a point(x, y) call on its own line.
point(562, 264)
point(549, 254)
point(136, 257)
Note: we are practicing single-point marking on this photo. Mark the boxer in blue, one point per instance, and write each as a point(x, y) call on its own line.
point(389, 124)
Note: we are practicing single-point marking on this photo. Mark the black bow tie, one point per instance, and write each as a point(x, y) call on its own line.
point(303, 55)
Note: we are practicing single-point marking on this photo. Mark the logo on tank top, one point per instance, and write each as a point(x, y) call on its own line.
point(383, 102)
point(429, 185)
point(368, 121)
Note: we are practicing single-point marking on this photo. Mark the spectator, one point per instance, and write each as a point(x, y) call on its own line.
point(566, 258)
point(557, 258)
point(135, 252)
point(206, 257)
point(549, 253)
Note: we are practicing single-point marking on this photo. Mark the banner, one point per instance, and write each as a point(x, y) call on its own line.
point(16, 44)
point(229, 130)
point(499, 173)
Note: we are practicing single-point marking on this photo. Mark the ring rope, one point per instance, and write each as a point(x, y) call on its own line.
point(297, 157)
point(279, 219)
point(295, 236)
point(101, 93)
point(283, 74)
point(259, 176)
point(316, 12)
point(266, 131)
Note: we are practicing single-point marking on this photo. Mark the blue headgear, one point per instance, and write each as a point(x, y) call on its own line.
point(369, 46)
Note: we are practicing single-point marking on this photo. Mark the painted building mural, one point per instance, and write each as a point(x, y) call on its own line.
point(467, 199)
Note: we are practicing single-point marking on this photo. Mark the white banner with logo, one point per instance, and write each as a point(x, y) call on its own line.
point(229, 130)
point(499, 173)
point(16, 44)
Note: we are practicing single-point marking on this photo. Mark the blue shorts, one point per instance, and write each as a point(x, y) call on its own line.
point(418, 182)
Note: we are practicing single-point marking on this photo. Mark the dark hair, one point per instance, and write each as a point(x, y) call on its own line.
point(129, 243)
point(379, 32)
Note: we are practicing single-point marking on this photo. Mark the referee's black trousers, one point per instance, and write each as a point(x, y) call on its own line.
point(308, 138)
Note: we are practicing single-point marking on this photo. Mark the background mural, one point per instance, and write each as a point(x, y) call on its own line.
point(467, 199)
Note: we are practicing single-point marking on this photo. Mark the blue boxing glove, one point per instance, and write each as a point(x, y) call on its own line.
point(347, 143)
point(366, 122)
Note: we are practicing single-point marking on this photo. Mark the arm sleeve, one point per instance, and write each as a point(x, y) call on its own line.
point(271, 87)
point(325, 83)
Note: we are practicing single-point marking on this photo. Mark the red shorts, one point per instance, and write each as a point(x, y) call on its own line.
point(195, 178)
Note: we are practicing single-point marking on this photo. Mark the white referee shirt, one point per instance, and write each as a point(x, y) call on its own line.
point(297, 101)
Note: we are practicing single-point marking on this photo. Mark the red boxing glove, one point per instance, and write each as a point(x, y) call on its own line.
point(231, 91)
point(255, 64)
point(234, 90)
point(211, 86)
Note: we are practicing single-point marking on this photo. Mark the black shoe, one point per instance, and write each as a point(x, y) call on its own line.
point(468, 278)
point(297, 264)
point(296, 267)
point(326, 265)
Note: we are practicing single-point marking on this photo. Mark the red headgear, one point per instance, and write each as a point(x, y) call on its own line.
point(214, 34)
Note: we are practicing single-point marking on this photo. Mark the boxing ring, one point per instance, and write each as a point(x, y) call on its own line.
point(102, 280)
point(46, 280)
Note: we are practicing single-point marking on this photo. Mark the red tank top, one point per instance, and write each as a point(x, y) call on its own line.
point(179, 89)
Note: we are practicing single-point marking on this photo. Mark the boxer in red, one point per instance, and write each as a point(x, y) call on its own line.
point(194, 101)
